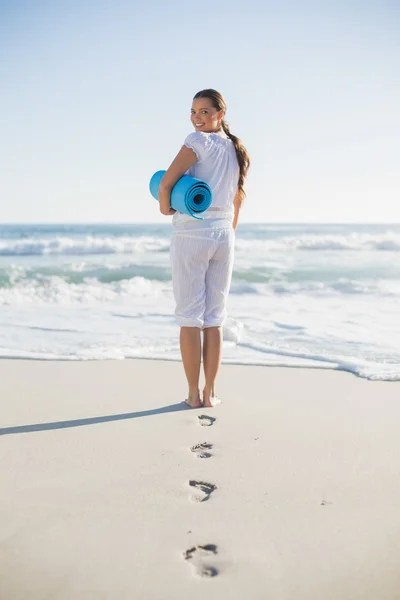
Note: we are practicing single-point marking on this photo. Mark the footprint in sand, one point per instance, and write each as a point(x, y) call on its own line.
point(206, 488)
point(196, 554)
point(200, 449)
point(206, 421)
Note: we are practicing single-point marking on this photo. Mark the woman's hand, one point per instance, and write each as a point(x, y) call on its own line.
point(164, 195)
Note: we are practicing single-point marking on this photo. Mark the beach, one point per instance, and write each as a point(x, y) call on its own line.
point(112, 488)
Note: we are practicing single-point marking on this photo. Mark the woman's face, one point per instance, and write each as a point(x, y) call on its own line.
point(204, 116)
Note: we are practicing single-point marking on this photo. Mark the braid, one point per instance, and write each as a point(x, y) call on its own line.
point(242, 157)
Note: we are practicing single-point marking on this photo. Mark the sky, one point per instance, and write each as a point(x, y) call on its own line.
point(95, 97)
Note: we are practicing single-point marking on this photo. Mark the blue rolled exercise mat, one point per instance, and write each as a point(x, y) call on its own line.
point(189, 195)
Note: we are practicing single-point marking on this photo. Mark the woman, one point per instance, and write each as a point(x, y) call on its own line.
point(202, 251)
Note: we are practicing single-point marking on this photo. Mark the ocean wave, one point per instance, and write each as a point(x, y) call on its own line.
point(61, 245)
point(338, 287)
point(387, 241)
point(352, 241)
point(384, 278)
point(55, 290)
point(81, 272)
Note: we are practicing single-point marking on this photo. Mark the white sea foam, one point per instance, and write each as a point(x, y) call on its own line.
point(56, 291)
point(340, 287)
point(88, 245)
point(387, 241)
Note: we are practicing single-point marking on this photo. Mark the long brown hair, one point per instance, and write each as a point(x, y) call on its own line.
point(243, 158)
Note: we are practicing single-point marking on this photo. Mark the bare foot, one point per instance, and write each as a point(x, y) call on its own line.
point(209, 399)
point(211, 402)
point(194, 401)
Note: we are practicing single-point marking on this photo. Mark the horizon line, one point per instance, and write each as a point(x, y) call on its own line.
point(15, 223)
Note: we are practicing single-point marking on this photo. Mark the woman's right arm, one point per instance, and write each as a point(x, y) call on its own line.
point(236, 204)
point(181, 163)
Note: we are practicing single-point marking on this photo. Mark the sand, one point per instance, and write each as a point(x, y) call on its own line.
point(295, 493)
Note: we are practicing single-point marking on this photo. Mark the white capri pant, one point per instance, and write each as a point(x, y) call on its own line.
point(202, 263)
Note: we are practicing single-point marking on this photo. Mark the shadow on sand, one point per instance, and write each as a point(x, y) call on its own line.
point(92, 420)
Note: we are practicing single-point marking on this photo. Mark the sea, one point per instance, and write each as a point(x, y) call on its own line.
point(319, 296)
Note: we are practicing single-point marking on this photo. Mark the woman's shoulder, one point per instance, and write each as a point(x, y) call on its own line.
point(207, 141)
point(199, 142)
point(197, 136)
point(206, 145)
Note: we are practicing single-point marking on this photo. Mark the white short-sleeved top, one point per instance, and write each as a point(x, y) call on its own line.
point(217, 165)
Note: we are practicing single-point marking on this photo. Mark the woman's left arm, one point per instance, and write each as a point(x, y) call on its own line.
point(181, 163)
